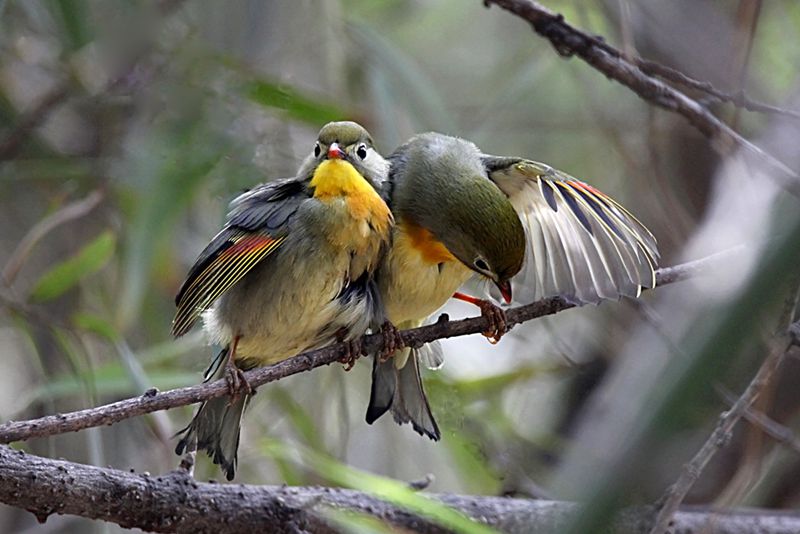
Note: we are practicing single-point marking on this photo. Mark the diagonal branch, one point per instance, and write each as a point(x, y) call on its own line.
point(175, 502)
point(153, 400)
point(779, 347)
point(568, 41)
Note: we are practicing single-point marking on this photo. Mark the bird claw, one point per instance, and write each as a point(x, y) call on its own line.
point(498, 324)
point(392, 341)
point(353, 349)
point(237, 383)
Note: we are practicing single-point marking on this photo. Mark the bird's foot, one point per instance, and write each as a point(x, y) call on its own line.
point(496, 316)
point(498, 324)
point(238, 385)
point(392, 341)
point(353, 349)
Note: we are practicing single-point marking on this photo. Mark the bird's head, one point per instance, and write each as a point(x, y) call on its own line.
point(349, 142)
point(442, 186)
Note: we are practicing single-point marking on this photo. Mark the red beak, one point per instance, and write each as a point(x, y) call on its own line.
point(334, 152)
point(505, 290)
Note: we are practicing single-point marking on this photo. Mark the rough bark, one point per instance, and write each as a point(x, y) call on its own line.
point(175, 502)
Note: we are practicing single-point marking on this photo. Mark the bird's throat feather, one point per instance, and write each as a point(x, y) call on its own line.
point(335, 179)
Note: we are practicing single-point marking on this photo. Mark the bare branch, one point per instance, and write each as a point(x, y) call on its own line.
point(73, 210)
point(771, 427)
point(721, 435)
point(175, 502)
point(32, 119)
point(569, 41)
point(152, 400)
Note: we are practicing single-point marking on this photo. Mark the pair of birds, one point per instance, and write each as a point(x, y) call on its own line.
point(355, 242)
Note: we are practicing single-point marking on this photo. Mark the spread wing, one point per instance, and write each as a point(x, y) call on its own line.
point(256, 226)
point(582, 244)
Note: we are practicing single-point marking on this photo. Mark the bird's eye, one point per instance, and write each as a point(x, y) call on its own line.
point(317, 150)
point(361, 151)
point(481, 265)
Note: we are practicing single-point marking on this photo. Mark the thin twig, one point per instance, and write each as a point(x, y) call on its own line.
point(771, 427)
point(569, 41)
point(675, 494)
point(73, 210)
point(31, 119)
point(152, 400)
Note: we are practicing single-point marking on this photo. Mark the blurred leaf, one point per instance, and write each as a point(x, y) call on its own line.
point(68, 273)
point(471, 389)
point(296, 105)
point(169, 167)
point(708, 348)
point(472, 464)
point(407, 83)
point(95, 324)
point(111, 379)
point(300, 419)
point(397, 493)
point(74, 16)
point(353, 522)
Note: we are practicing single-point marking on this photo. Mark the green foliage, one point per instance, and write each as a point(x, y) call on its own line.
point(387, 489)
point(90, 259)
point(296, 105)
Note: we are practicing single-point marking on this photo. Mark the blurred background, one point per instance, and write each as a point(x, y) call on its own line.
point(127, 127)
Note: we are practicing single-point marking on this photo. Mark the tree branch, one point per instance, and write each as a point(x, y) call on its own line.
point(153, 400)
point(675, 494)
point(632, 73)
point(175, 502)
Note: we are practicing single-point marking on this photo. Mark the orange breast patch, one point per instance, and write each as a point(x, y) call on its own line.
point(431, 249)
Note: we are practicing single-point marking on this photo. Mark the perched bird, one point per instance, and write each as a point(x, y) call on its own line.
point(461, 213)
point(291, 270)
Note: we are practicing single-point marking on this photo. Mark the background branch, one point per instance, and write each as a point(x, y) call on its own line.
point(779, 347)
point(153, 400)
point(568, 41)
point(176, 502)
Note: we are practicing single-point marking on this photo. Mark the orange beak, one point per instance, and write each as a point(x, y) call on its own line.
point(505, 290)
point(334, 152)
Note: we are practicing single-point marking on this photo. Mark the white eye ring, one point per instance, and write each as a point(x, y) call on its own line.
point(481, 265)
point(317, 149)
point(361, 151)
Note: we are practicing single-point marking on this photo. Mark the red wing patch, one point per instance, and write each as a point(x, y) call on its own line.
point(231, 263)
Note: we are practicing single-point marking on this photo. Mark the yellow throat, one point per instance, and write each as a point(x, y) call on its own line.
point(335, 178)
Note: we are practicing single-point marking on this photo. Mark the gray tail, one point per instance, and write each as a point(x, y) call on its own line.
point(400, 390)
point(215, 429)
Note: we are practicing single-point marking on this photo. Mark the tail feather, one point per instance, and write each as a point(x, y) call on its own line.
point(215, 429)
point(401, 392)
point(216, 426)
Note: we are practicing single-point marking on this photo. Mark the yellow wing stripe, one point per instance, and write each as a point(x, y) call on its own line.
point(225, 271)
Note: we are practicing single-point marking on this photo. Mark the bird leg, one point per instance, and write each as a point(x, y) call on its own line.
point(493, 313)
point(353, 348)
point(392, 341)
point(237, 382)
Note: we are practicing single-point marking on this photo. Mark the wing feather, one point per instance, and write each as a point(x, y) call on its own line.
point(257, 225)
point(582, 244)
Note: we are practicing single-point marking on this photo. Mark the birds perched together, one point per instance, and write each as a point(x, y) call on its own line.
point(356, 243)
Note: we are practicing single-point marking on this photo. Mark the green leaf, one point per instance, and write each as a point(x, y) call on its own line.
point(393, 491)
point(74, 17)
point(95, 324)
point(294, 103)
point(68, 273)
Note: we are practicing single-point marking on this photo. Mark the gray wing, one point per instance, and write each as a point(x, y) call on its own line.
point(257, 226)
point(582, 244)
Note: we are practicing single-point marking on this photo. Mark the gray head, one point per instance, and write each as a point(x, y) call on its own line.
point(441, 184)
point(348, 141)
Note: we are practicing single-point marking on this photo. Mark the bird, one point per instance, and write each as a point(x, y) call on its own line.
point(460, 213)
point(291, 270)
